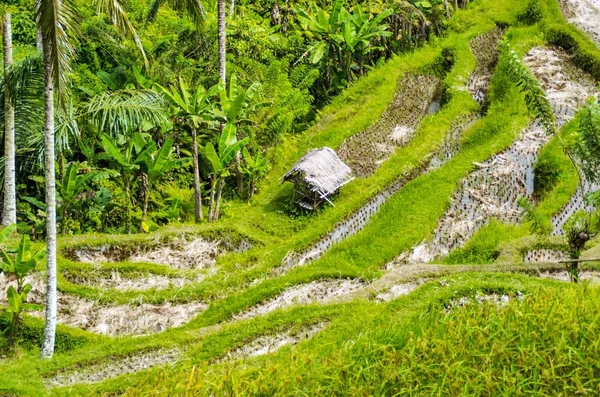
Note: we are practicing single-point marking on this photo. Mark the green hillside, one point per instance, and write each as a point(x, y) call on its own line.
point(435, 271)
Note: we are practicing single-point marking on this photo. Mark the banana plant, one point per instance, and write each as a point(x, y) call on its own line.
point(236, 107)
point(127, 154)
point(228, 149)
point(340, 39)
point(153, 167)
point(254, 168)
point(236, 104)
point(18, 265)
point(71, 188)
point(191, 110)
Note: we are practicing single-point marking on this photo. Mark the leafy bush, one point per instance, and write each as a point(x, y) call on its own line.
point(18, 266)
point(532, 13)
point(546, 175)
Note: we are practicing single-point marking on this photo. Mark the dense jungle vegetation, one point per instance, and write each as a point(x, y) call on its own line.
point(121, 105)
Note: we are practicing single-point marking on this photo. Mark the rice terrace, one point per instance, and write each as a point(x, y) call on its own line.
point(300, 198)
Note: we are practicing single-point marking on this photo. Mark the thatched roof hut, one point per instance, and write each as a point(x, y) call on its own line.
point(316, 176)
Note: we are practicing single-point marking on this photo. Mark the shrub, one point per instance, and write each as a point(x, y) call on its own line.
point(546, 175)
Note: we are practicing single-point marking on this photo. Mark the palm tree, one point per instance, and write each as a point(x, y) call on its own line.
point(222, 40)
point(9, 214)
point(54, 19)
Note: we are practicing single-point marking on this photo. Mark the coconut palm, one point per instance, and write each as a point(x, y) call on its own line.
point(55, 20)
point(9, 210)
point(222, 41)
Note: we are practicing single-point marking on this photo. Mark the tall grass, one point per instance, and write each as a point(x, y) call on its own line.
point(546, 344)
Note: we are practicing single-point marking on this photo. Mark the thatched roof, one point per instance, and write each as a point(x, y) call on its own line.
point(322, 170)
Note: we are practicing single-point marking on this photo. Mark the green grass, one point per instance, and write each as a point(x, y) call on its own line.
point(545, 344)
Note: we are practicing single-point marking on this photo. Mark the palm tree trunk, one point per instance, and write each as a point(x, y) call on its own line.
point(231, 8)
point(222, 41)
point(197, 192)
point(211, 208)
point(128, 201)
point(51, 292)
point(447, 9)
point(9, 210)
point(145, 190)
point(218, 203)
point(238, 174)
point(252, 187)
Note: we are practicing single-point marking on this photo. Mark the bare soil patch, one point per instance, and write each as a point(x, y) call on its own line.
point(111, 368)
point(315, 292)
point(266, 344)
point(398, 290)
point(181, 253)
point(133, 319)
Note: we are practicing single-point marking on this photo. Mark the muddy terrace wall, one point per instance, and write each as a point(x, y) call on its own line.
point(183, 251)
point(585, 14)
point(415, 97)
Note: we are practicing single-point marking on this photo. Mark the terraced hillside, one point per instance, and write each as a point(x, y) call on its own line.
point(424, 276)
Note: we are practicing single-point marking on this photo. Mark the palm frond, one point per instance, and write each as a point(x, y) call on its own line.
point(126, 110)
point(55, 18)
point(153, 10)
point(116, 13)
point(26, 83)
point(65, 134)
point(192, 8)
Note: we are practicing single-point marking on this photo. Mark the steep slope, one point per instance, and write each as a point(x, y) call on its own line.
point(218, 309)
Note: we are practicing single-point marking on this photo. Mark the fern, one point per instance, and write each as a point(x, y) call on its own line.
point(535, 98)
point(587, 147)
